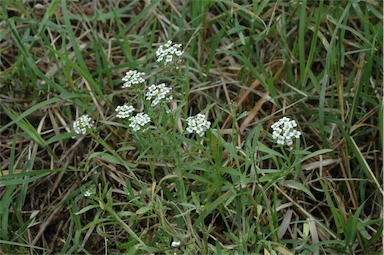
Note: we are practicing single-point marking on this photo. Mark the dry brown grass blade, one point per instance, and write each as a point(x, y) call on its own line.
point(245, 94)
point(314, 234)
point(6, 172)
point(55, 237)
point(321, 162)
point(253, 86)
point(252, 114)
point(174, 8)
point(301, 209)
point(46, 222)
point(94, 99)
point(285, 223)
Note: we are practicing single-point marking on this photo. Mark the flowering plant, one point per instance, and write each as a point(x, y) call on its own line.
point(133, 77)
point(158, 93)
point(139, 121)
point(124, 111)
point(168, 52)
point(284, 131)
point(198, 124)
point(83, 124)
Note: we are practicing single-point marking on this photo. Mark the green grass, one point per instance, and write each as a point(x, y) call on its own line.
point(232, 191)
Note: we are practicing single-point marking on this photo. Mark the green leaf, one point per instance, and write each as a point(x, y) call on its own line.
point(261, 147)
point(86, 209)
point(212, 206)
point(60, 137)
point(28, 112)
point(314, 154)
point(298, 186)
point(24, 177)
point(143, 210)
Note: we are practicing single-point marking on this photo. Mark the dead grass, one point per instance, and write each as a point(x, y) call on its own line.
point(260, 77)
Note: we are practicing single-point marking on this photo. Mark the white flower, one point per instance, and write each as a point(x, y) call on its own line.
point(133, 77)
point(168, 51)
point(284, 131)
point(139, 121)
point(90, 191)
point(175, 243)
point(198, 124)
point(157, 93)
point(124, 111)
point(87, 193)
point(82, 124)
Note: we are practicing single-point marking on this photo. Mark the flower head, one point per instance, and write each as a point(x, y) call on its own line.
point(139, 121)
point(198, 124)
point(133, 77)
point(89, 192)
point(168, 51)
point(284, 131)
point(175, 243)
point(124, 111)
point(83, 124)
point(157, 93)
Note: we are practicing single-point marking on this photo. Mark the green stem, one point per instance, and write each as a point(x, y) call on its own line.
point(123, 224)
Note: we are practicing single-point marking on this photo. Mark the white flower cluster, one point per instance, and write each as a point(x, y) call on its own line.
point(198, 124)
point(133, 77)
point(175, 243)
point(284, 131)
point(158, 92)
point(82, 124)
point(139, 121)
point(168, 51)
point(124, 111)
point(89, 192)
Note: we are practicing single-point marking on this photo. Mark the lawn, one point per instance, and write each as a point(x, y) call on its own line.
point(191, 127)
